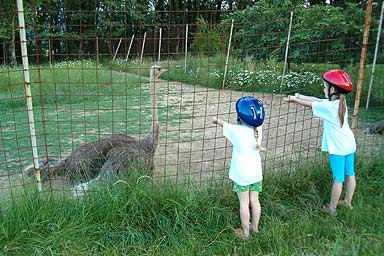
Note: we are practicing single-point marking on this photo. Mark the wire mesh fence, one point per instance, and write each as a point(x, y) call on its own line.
point(96, 102)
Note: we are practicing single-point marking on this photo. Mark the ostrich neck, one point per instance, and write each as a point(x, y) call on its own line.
point(155, 121)
point(151, 139)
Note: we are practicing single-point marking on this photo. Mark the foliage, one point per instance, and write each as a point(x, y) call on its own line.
point(107, 20)
point(144, 218)
point(326, 29)
point(261, 28)
point(7, 18)
point(207, 39)
point(319, 34)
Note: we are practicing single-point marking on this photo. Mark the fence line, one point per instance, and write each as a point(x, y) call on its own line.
point(85, 97)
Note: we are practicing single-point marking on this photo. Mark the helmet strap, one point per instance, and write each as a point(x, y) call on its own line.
point(330, 95)
point(238, 120)
point(329, 92)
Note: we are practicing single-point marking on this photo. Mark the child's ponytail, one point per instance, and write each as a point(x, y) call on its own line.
point(257, 140)
point(342, 108)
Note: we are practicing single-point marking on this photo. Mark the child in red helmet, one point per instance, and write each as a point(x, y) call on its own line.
point(338, 139)
point(245, 170)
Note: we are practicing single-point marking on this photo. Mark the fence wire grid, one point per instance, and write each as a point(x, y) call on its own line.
point(89, 66)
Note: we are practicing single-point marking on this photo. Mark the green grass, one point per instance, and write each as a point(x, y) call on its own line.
point(66, 83)
point(149, 219)
point(74, 103)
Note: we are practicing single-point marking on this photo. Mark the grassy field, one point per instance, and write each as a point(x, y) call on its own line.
point(74, 103)
point(153, 219)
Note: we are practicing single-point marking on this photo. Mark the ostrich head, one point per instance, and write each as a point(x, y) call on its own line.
point(156, 71)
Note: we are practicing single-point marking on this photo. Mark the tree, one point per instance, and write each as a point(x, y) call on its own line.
point(8, 28)
point(319, 33)
point(207, 38)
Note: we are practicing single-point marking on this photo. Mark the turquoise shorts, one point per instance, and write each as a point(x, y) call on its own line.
point(342, 166)
point(258, 187)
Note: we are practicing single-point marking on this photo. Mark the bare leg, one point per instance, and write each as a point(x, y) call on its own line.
point(336, 192)
point(350, 182)
point(244, 212)
point(256, 210)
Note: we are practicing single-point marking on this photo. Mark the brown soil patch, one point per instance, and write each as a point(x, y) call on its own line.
point(193, 150)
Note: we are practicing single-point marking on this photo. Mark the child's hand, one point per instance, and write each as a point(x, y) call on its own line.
point(302, 100)
point(217, 121)
point(291, 98)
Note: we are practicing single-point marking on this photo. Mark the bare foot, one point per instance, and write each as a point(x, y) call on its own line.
point(253, 229)
point(327, 210)
point(240, 233)
point(345, 204)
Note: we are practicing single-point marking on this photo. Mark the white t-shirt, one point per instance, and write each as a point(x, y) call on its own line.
point(336, 140)
point(245, 168)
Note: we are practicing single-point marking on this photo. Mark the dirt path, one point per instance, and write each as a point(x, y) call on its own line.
point(192, 149)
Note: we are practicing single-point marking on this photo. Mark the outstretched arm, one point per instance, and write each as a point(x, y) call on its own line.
point(306, 98)
point(218, 121)
point(299, 101)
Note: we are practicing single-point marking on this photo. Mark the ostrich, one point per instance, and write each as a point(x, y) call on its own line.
point(134, 152)
point(122, 155)
point(375, 128)
point(96, 160)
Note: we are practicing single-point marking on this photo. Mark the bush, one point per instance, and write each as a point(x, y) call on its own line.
point(319, 34)
point(207, 38)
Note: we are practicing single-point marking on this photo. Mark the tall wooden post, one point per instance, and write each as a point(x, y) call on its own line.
point(362, 65)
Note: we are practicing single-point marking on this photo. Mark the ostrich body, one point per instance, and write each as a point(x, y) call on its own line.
point(96, 160)
point(85, 162)
point(375, 128)
point(137, 152)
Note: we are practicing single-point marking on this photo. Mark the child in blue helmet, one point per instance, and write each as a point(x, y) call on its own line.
point(338, 139)
point(245, 169)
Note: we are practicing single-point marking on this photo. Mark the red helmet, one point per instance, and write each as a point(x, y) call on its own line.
point(340, 79)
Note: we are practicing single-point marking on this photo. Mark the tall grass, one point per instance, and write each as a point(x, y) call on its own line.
point(147, 219)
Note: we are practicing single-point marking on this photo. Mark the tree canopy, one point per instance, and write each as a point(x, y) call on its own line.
point(73, 28)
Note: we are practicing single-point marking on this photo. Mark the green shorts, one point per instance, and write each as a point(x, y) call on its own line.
point(258, 187)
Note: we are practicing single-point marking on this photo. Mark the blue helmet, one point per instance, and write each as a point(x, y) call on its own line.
point(250, 111)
